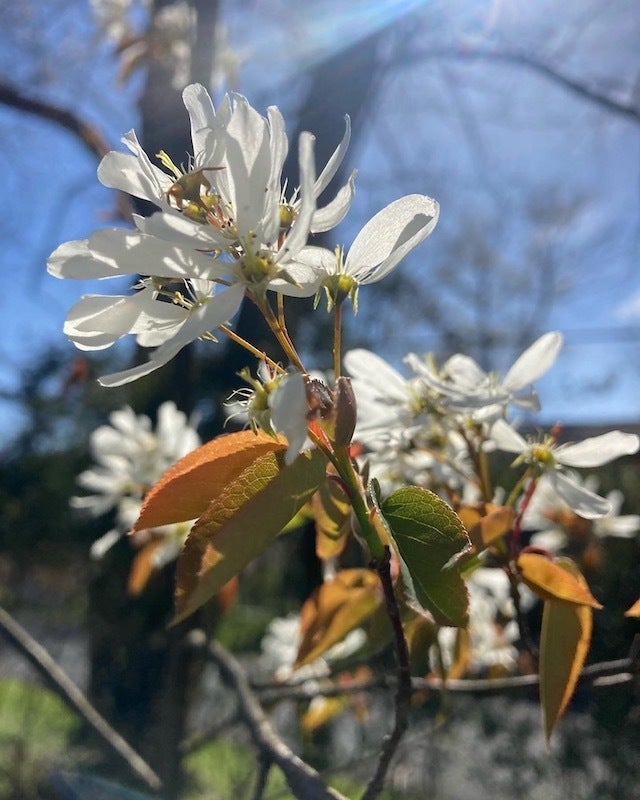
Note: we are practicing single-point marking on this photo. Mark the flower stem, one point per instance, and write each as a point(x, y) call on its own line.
point(337, 340)
point(353, 485)
point(279, 331)
point(259, 354)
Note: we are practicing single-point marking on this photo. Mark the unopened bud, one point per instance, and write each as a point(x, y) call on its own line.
point(345, 411)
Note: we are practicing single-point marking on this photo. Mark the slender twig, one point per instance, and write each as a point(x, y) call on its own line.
point(523, 625)
point(599, 676)
point(62, 684)
point(403, 689)
point(304, 781)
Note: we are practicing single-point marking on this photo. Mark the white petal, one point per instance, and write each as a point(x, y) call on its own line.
point(534, 362)
point(299, 233)
point(333, 164)
point(202, 117)
point(137, 253)
point(334, 212)
point(105, 543)
point(208, 317)
point(75, 260)
point(376, 374)
point(597, 450)
point(134, 174)
point(174, 227)
point(624, 527)
point(506, 438)
point(288, 405)
point(465, 373)
point(279, 146)
point(389, 236)
point(248, 166)
point(585, 503)
point(97, 321)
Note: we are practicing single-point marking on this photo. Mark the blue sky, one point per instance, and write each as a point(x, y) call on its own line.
point(489, 139)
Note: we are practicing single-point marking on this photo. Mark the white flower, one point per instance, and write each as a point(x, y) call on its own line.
point(387, 401)
point(548, 508)
point(408, 444)
point(377, 249)
point(129, 458)
point(277, 403)
point(280, 648)
point(492, 627)
point(550, 458)
point(464, 386)
point(289, 408)
point(223, 220)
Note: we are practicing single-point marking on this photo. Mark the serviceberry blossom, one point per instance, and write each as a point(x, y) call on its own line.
point(407, 440)
point(378, 248)
point(555, 522)
point(224, 227)
point(552, 460)
point(276, 403)
point(492, 631)
point(462, 385)
point(130, 456)
point(280, 648)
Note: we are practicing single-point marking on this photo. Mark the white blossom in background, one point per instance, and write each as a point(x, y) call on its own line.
point(407, 440)
point(169, 39)
point(224, 227)
point(492, 626)
point(280, 646)
point(462, 385)
point(112, 18)
point(552, 459)
point(129, 457)
point(550, 516)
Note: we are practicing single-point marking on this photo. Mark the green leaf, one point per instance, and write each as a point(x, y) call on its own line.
point(564, 643)
point(430, 538)
point(241, 522)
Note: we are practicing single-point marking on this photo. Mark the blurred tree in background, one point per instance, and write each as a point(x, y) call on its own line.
point(471, 102)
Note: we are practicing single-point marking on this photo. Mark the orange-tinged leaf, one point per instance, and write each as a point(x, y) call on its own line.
point(564, 643)
point(142, 567)
point(461, 655)
point(486, 522)
point(332, 512)
point(241, 522)
point(550, 581)
point(334, 609)
point(634, 611)
point(321, 710)
point(420, 633)
point(186, 489)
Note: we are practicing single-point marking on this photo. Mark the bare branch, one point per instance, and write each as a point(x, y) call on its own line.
point(599, 676)
point(88, 134)
point(616, 106)
point(70, 693)
point(303, 780)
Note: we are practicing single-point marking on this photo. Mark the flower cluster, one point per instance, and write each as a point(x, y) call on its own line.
point(225, 228)
point(432, 428)
point(129, 458)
